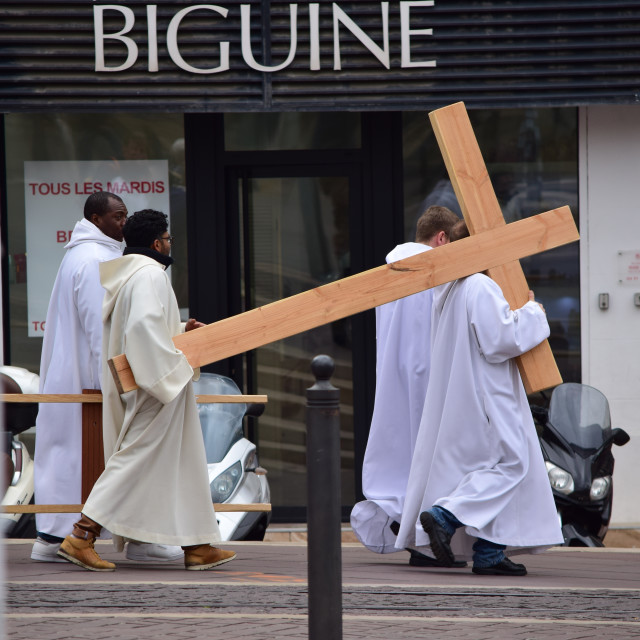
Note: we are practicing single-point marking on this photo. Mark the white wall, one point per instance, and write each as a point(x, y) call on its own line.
point(609, 223)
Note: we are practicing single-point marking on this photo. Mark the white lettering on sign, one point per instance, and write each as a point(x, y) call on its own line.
point(247, 54)
point(152, 35)
point(100, 37)
point(172, 40)
point(406, 31)
point(340, 19)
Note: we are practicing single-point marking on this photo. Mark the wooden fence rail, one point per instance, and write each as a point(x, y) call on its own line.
point(93, 450)
point(77, 508)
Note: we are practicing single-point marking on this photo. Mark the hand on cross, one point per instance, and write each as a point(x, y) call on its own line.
point(192, 323)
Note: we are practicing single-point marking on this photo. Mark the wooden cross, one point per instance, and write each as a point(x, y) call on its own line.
point(494, 246)
point(481, 211)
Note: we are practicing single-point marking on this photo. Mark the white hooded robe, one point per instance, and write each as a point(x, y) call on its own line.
point(155, 486)
point(403, 332)
point(477, 454)
point(70, 362)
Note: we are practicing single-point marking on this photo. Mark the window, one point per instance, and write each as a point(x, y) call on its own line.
point(532, 160)
point(64, 148)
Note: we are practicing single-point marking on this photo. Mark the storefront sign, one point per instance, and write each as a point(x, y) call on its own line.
point(340, 20)
point(287, 55)
point(629, 268)
point(55, 193)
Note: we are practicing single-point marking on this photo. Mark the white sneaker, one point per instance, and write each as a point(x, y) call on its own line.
point(150, 552)
point(44, 551)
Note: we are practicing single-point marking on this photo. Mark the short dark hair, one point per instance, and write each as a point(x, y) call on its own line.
point(143, 227)
point(98, 202)
point(459, 231)
point(434, 220)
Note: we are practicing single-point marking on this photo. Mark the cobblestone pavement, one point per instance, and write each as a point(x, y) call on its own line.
point(567, 595)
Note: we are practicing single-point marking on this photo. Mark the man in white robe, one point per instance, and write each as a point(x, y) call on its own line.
point(403, 330)
point(155, 486)
point(70, 362)
point(477, 476)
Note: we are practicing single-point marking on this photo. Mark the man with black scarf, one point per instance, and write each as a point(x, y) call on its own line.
point(155, 486)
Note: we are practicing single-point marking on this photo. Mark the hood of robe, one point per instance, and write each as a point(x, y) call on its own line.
point(114, 274)
point(86, 231)
point(406, 250)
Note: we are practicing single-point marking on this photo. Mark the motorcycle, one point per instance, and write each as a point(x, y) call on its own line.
point(234, 474)
point(17, 463)
point(576, 439)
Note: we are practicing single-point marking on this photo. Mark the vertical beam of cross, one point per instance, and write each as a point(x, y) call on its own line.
point(481, 210)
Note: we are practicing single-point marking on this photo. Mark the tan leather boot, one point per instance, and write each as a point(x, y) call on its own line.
point(204, 556)
point(86, 528)
point(82, 553)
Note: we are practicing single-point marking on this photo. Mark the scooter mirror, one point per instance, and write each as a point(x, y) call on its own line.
point(539, 413)
point(255, 410)
point(620, 437)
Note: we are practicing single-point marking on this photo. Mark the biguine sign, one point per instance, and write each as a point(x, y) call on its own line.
point(217, 14)
point(252, 55)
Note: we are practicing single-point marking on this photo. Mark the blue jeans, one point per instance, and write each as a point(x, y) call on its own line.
point(47, 537)
point(485, 552)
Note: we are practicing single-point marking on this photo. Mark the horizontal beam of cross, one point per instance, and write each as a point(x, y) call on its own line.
point(365, 290)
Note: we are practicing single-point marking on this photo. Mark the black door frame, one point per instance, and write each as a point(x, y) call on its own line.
point(237, 173)
point(214, 235)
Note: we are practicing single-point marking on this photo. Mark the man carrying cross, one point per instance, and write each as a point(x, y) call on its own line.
point(477, 475)
point(155, 485)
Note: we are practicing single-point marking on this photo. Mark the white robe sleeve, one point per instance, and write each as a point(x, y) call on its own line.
point(158, 367)
point(501, 333)
point(88, 295)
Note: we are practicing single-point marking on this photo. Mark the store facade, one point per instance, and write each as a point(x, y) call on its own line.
point(291, 146)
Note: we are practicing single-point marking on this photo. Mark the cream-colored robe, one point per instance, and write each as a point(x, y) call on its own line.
point(155, 486)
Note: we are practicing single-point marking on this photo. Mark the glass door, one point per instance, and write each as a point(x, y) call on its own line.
point(295, 236)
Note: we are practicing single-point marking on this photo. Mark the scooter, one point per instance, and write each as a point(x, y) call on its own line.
point(576, 439)
point(234, 474)
point(17, 465)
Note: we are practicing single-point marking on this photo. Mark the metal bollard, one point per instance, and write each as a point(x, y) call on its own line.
point(323, 504)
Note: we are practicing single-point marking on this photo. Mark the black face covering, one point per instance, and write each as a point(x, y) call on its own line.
point(167, 261)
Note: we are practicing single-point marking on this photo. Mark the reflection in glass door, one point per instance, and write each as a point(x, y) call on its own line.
point(295, 237)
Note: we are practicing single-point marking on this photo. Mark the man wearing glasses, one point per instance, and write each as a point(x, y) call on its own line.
point(155, 485)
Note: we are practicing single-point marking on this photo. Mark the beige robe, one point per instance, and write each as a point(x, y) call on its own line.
point(155, 485)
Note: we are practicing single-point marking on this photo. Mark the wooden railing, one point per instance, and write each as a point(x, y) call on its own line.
point(93, 450)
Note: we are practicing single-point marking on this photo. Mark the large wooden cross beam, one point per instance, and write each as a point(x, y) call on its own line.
point(492, 245)
point(365, 290)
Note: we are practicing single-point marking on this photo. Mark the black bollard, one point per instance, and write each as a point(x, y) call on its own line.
point(323, 504)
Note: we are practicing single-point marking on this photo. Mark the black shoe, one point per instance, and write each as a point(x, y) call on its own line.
point(504, 568)
point(395, 527)
point(418, 559)
point(439, 539)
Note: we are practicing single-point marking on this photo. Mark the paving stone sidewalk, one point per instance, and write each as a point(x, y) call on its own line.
point(568, 594)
